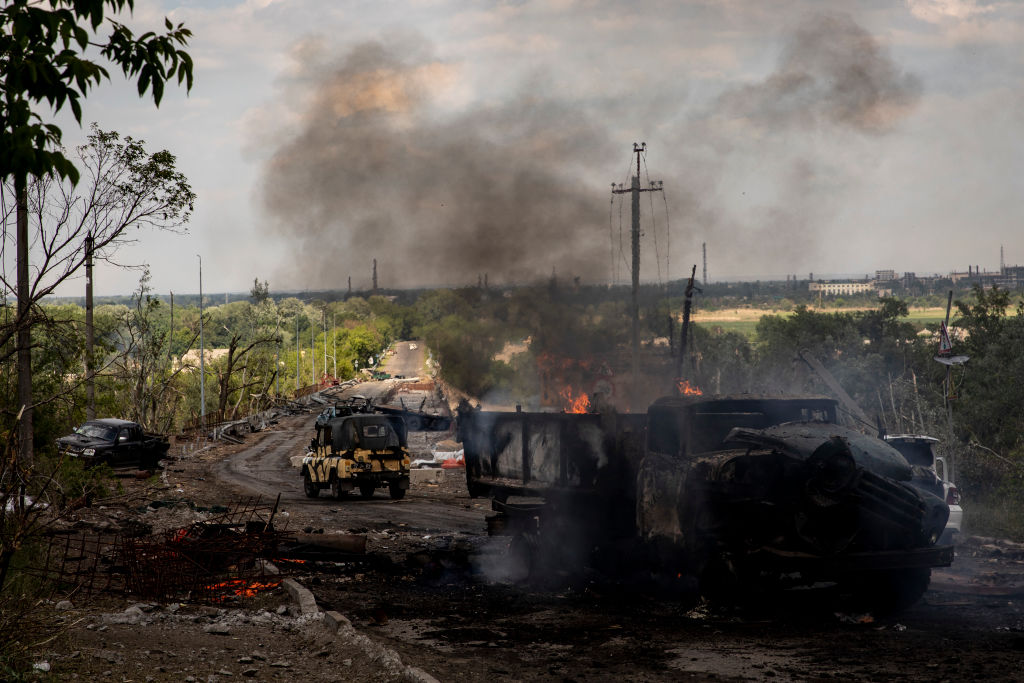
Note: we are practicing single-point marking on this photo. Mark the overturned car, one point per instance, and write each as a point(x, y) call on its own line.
point(742, 493)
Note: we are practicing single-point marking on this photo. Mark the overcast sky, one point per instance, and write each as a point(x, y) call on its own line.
point(452, 138)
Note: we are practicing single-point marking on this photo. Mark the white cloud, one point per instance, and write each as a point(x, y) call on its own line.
point(937, 11)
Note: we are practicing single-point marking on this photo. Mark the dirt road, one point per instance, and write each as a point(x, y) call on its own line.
point(265, 469)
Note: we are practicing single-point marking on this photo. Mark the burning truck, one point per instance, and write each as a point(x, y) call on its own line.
point(741, 493)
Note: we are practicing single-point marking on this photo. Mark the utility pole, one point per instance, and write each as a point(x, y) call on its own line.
point(90, 363)
point(202, 352)
point(312, 352)
point(334, 335)
point(349, 287)
point(946, 358)
point(170, 336)
point(297, 366)
point(635, 190)
point(374, 276)
point(324, 313)
point(704, 251)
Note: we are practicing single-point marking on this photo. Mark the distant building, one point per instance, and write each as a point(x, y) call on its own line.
point(842, 288)
point(1011, 277)
point(885, 275)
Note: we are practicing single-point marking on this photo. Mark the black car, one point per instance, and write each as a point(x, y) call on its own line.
point(114, 442)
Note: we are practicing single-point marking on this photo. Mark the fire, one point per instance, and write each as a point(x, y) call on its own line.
point(241, 587)
point(687, 389)
point(560, 376)
point(574, 403)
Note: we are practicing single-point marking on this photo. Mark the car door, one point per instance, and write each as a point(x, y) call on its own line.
point(128, 446)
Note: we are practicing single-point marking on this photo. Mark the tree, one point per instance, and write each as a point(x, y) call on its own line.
point(122, 187)
point(142, 371)
point(236, 361)
point(42, 65)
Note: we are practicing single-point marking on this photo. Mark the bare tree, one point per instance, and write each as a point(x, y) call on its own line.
point(121, 188)
point(237, 361)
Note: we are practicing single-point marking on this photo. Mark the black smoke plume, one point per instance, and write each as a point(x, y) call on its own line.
point(374, 166)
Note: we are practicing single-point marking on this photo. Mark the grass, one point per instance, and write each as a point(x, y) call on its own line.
point(997, 519)
point(744, 320)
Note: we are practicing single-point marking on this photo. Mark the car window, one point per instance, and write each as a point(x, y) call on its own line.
point(96, 431)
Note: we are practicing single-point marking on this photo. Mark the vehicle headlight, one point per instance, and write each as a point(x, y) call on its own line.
point(89, 452)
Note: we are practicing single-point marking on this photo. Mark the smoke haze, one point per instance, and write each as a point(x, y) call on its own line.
point(377, 163)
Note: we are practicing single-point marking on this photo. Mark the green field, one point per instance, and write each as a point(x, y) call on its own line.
point(744, 320)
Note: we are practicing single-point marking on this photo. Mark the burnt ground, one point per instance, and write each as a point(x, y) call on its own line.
point(428, 592)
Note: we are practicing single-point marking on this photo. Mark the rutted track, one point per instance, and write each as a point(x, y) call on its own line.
point(265, 469)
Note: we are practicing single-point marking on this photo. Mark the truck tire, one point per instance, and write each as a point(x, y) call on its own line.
point(308, 487)
point(336, 490)
point(366, 490)
point(396, 491)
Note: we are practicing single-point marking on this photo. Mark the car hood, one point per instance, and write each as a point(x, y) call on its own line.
point(80, 442)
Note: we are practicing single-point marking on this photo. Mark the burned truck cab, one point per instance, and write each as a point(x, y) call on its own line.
point(742, 492)
point(743, 488)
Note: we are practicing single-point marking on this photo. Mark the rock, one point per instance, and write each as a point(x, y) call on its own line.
point(260, 656)
point(132, 615)
point(64, 606)
point(41, 666)
point(281, 664)
point(218, 629)
point(282, 609)
point(245, 660)
point(250, 672)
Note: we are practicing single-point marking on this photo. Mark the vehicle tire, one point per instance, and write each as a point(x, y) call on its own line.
point(366, 490)
point(396, 491)
point(336, 491)
point(308, 487)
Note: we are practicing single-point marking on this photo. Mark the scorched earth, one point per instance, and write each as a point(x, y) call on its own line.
point(432, 598)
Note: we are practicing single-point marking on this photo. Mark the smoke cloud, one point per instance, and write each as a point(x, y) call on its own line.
point(832, 72)
point(377, 165)
point(436, 200)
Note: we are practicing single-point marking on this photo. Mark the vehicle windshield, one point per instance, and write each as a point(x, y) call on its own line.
point(97, 431)
point(916, 452)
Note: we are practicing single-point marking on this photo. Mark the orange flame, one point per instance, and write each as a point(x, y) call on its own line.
point(574, 403)
point(687, 389)
point(241, 587)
